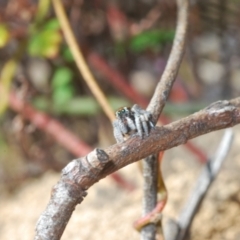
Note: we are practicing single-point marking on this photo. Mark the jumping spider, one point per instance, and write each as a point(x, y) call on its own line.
point(131, 121)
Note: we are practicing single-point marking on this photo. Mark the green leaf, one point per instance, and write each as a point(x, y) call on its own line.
point(150, 40)
point(63, 91)
point(6, 76)
point(62, 95)
point(83, 105)
point(4, 35)
point(67, 54)
point(46, 42)
point(43, 7)
point(52, 24)
point(80, 105)
point(62, 77)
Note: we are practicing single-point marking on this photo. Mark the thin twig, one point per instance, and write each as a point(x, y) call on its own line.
point(202, 185)
point(79, 59)
point(164, 86)
point(80, 174)
point(150, 174)
point(150, 192)
point(205, 179)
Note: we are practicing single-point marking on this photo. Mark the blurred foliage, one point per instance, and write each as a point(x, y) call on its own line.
point(6, 76)
point(77, 106)
point(62, 86)
point(45, 42)
point(43, 9)
point(153, 39)
point(4, 35)
point(30, 31)
point(67, 55)
point(177, 110)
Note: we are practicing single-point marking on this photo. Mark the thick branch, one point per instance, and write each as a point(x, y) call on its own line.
point(82, 173)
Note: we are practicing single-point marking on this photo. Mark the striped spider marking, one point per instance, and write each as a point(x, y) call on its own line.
point(130, 121)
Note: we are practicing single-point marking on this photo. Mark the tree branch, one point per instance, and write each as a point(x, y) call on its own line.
point(80, 174)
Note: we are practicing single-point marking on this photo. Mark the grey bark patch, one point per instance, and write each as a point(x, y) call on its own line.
point(102, 156)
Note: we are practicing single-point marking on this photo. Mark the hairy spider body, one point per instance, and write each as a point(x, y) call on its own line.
point(130, 121)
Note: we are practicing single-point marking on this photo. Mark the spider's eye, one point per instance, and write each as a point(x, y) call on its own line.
point(122, 112)
point(119, 112)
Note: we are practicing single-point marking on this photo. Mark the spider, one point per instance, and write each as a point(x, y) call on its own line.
point(130, 121)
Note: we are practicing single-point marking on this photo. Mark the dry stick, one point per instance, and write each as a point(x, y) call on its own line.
point(205, 179)
point(165, 84)
point(178, 230)
point(156, 105)
point(79, 59)
point(151, 168)
point(80, 174)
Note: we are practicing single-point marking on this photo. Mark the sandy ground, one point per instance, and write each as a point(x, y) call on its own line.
point(109, 211)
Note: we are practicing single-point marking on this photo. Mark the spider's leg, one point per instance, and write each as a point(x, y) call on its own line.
point(138, 125)
point(144, 122)
point(122, 127)
point(131, 123)
point(151, 124)
point(137, 109)
point(148, 117)
point(118, 130)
